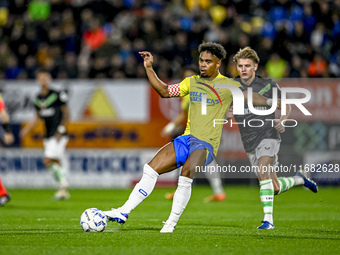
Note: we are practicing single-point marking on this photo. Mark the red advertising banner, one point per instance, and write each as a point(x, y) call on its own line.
point(324, 103)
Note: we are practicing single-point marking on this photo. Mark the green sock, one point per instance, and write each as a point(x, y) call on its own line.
point(286, 183)
point(58, 174)
point(267, 199)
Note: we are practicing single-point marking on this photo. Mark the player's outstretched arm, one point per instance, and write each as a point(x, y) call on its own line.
point(261, 100)
point(257, 98)
point(157, 84)
point(61, 129)
point(29, 126)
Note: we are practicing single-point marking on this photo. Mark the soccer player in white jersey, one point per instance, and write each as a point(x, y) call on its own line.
point(262, 144)
point(52, 109)
point(199, 144)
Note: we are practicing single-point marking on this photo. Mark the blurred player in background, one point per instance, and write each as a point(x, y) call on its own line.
point(175, 128)
point(52, 109)
point(8, 139)
point(262, 144)
point(198, 145)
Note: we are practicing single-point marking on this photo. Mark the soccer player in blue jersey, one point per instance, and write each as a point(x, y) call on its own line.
point(198, 145)
point(262, 144)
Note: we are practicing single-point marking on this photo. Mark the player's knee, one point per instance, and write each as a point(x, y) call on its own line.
point(49, 161)
point(276, 186)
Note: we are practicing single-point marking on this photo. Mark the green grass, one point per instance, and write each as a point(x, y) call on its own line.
point(305, 223)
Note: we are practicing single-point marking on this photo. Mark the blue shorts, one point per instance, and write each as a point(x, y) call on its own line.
point(186, 144)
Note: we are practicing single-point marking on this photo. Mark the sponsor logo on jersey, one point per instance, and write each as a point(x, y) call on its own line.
point(47, 112)
point(209, 93)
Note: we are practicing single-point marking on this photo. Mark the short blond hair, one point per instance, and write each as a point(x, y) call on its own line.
point(247, 52)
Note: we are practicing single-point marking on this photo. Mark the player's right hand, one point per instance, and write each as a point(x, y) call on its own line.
point(229, 114)
point(8, 138)
point(148, 58)
point(279, 127)
point(168, 129)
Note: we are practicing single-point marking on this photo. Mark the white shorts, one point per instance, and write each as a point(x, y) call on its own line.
point(267, 147)
point(55, 149)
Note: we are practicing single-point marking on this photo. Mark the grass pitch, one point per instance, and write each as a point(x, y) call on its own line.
point(305, 223)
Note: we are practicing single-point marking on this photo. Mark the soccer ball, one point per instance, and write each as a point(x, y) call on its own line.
point(93, 220)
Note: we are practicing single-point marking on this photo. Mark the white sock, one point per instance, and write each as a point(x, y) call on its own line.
point(215, 181)
point(181, 198)
point(298, 180)
point(142, 189)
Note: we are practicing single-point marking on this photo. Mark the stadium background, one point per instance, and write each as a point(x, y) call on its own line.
point(91, 49)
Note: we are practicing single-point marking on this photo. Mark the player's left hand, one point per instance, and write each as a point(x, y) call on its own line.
point(168, 129)
point(279, 127)
point(279, 103)
point(229, 114)
point(57, 135)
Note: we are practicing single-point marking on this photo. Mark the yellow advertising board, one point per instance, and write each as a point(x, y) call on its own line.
point(101, 135)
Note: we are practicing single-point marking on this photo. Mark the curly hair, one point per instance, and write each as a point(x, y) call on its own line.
point(247, 52)
point(213, 48)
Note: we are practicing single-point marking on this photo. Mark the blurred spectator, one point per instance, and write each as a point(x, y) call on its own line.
point(268, 30)
point(31, 66)
point(319, 36)
point(297, 69)
point(309, 19)
point(22, 53)
point(276, 67)
point(264, 50)
point(84, 62)
point(43, 54)
point(192, 4)
point(323, 12)
point(12, 70)
point(334, 67)
point(70, 65)
point(104, 37)
point(70, 42)
point(130, 67)
point(99, 68)
point(3, 13)
point(39, 9)
point(318, 67)
point(95, 36)
point(5, 54)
